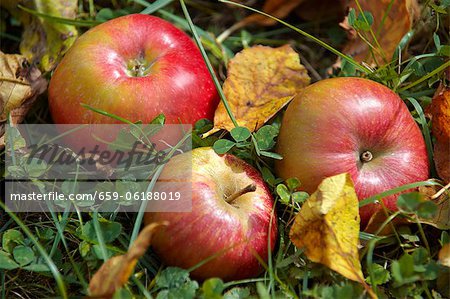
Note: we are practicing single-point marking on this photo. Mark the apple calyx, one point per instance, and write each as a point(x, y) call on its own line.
point(246, 189)
point(139, 67)
point(366, 156)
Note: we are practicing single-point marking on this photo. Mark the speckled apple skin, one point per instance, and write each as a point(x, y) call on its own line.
point(234, 233)
point(330, 123)
point(94, 72)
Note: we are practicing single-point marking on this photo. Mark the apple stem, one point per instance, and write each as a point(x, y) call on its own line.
point(247, 189)
point(366, 156)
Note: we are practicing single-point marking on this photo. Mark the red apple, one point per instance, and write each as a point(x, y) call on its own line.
point(137, 67)
point(231, 217)
point(352, 125)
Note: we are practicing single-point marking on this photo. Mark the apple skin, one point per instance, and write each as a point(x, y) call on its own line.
point(101, 70)
point(235, 232)
point(330, 124)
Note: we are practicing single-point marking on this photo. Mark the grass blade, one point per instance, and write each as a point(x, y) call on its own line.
point(51, 265)
point(378, 46)
point(101, 240)
point(208, 63)
point(393, 191)
point(427, 76)
point(152, 7)
point(50, 18)
point(426, 133)
point(151, 185)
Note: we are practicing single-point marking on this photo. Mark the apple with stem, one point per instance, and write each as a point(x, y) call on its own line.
point(352, 125)
point(232, 227)
point(137, 67)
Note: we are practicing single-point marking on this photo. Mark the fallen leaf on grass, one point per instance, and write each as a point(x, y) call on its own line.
point(440, 124)
point(441, 219)
point(444, 255)
point(20, 85)
point(261, 81)
point(398, 19)
point(116, 271)
point(45, 40)
point(327, 227)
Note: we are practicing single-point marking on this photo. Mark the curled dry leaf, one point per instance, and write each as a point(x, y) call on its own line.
point(391, 23)
point(44, 40)
point(116, 271)
point(20, 84)
point(440, 123)
point(444, 255)
point(441, 219)
point(261, 81)
point(327, 227)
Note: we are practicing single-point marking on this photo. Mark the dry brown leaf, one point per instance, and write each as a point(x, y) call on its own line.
point(20, 85)
point(327, 227)
point(442, 218)
point(440, 196)
point(43, 40)
point(444, 255)
point(398, 22)
point(440, 123)
point(277, 8)
point(116, 271)
point(261, 81)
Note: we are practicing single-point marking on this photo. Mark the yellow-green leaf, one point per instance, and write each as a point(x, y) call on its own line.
point(327, 227)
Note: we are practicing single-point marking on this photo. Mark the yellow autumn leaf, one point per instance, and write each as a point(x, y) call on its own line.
point(261, 81)
point(444, 255)
point(116, 271)
point(327, 227)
